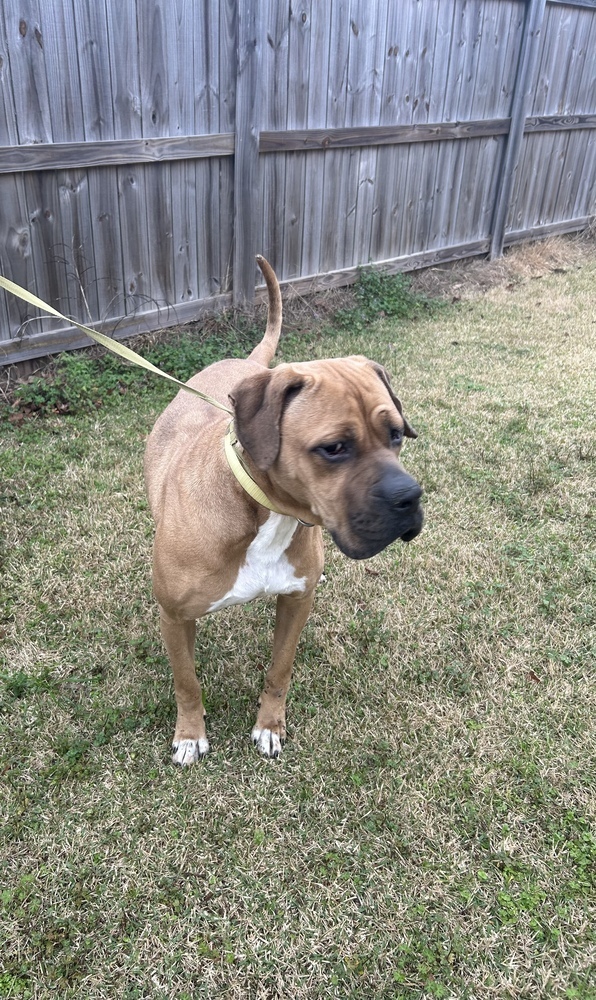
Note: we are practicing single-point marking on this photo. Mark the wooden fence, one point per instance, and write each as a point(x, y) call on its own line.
point(149, 148)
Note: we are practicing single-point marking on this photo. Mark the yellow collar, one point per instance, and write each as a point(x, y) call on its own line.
point(242, 474)
point(238, 467)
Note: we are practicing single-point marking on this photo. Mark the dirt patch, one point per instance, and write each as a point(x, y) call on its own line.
point(468, 279)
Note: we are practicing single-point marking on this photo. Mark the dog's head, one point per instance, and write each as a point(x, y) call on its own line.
point(328, 435)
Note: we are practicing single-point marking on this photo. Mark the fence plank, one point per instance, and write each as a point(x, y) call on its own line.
point(117, 152)
point(63, 77)
point(15, 240)
point(92, 54)
point(334, 179)
point(274, 29)
point(314, 188)
point(573, 3)
point(296, 164)
point(24, 32)
point(562, 85)
point(246, 172)
point(580, 81)
point(227, 120)
point(208, 219)
point(16, 259)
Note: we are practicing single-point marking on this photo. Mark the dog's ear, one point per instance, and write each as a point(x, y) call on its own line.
point(259, 403)
point(385, 379)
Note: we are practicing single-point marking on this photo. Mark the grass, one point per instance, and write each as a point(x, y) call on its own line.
point(430, 830)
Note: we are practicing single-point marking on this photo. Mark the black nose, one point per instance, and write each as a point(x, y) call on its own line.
point(400, 491)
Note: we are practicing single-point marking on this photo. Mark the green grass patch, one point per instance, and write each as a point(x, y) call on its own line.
point(389, 295)
point(77, 383)
point(431, 828)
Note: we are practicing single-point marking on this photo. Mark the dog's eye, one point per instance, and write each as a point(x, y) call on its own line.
point(335, 452)
point(396, 437)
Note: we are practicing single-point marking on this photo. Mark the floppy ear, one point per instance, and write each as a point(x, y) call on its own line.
point(384, 376)
point(259, 402)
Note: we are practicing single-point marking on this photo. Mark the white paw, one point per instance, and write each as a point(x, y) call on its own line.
point(189, 751)
point(266, 742)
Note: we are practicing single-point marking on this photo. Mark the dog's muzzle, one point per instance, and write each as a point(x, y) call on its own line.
point(393, 512)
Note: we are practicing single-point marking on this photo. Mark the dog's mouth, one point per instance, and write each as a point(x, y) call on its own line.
point(408, 536)
point(392, 511)
point(364, 544)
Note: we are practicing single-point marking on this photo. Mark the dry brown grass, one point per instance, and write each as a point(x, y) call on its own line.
point(467, 279)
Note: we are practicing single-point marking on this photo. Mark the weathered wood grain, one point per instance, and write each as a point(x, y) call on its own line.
point(226, 91)
point(15, 239)
point(314, 184)
point(291, 207)
point(247, 187)
point(392, 135)
point(275, 21)
point(367, 56)
point(591, 4)
point(149, 148)
point(113, 153)
point(66, 156)
point(92, 55)
point(562, 83)
point(559, 123)
point(29, 344)
point(561, 228)
point(113, 223)
point(339, 186)
point(28, 77)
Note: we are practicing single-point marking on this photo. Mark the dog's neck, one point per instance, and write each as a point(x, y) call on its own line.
point(240, 470)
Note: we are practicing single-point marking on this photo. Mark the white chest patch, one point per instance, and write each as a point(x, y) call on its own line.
point(266, 570)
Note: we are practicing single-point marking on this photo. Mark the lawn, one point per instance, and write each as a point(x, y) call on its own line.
point(430, 830)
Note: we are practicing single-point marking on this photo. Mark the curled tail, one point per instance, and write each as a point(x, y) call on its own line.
point(263, 352)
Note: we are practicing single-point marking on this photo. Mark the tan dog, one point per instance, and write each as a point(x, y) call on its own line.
point(322, 440)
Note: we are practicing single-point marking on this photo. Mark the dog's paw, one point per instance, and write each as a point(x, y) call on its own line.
point(189, 751)
point(267, 743)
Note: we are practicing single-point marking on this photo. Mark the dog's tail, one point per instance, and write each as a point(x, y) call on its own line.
point(263, 352)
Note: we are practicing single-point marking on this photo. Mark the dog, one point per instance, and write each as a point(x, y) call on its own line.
point(239, 511)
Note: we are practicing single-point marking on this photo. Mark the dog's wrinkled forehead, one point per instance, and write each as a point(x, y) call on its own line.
point(358, 379)
point(352, 373)
point(262, 399)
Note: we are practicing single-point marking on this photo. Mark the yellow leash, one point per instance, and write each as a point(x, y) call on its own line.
point(107, 342)
point(230, 441)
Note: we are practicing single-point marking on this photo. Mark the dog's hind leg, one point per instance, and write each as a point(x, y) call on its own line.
point(190, 739)
point(270, 729)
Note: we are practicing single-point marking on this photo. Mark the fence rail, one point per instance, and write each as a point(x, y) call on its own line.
point(149, 150)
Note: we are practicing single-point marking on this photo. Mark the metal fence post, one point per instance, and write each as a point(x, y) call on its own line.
point(522, 95)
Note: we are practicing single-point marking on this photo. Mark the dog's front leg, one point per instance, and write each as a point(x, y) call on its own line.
point(270, 728)
point(190, 739)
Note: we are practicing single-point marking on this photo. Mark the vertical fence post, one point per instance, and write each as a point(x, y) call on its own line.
point(247, 187)
point(519, 108)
